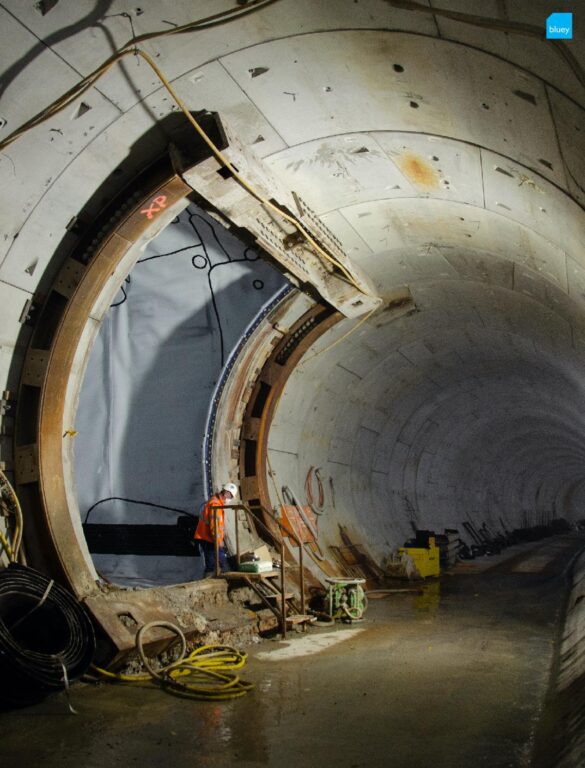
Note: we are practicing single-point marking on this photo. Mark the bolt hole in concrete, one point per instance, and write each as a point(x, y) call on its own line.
point(525, 96)
point(398, 68)
point(257, 71)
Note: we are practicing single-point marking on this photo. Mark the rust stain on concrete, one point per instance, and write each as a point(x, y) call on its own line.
point(418, 170)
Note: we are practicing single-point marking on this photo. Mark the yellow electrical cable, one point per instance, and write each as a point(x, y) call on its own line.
point(79, 88)
point(246, 185)
point(91, 79)
point(12, 549)
point(264, 201)
point(206, 674)
point(89, 82)
point(6, 547)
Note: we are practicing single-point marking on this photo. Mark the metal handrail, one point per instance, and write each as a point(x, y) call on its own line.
point(289, 532)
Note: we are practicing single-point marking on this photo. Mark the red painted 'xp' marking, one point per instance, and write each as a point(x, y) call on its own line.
point(157, 205)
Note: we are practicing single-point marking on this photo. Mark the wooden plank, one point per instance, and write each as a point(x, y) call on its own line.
point(298, 618)
point(248, 575)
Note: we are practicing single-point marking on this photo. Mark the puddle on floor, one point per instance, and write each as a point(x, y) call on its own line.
point(430, 599)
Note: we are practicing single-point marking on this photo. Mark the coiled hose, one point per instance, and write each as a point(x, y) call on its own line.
point(205, 674)
point(46, 638)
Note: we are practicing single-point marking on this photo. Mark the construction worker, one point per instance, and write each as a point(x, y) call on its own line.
point(211, 525)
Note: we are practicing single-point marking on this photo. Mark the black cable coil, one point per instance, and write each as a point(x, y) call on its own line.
point(46, 637)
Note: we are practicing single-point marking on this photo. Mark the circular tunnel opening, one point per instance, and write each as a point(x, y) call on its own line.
point(148, 396)
point(459, 409)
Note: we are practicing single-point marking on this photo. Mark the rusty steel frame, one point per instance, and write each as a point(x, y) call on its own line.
point(265, 397)
point(67, 320)
point(43, 434)
point(282, 530)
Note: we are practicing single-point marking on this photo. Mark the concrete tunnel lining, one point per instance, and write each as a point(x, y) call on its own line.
point(464, 405)
point(467, 173)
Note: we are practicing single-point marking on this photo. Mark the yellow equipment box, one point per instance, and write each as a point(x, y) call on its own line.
point(425, 559)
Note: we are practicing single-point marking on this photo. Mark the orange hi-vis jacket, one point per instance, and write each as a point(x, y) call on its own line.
point(211, 522)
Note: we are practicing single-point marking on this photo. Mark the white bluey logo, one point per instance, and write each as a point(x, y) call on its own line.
point(559, 26)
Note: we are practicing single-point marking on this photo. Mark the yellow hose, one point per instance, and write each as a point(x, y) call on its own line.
point(12, 548)
point(6, 546)
point(205, 674)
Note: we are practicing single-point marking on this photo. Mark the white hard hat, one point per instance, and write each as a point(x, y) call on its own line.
point(231, 488)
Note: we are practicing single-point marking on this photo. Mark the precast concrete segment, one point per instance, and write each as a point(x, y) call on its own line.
point(212, 86)
point(453, 437)
point(445, 170)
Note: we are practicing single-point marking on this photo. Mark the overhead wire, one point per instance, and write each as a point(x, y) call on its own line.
point(79, 88)
point(91, 79)
point(226, 16)
point(130, 49)
point(243, 182)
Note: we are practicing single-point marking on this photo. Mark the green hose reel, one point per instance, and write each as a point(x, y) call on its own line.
point(346, 599)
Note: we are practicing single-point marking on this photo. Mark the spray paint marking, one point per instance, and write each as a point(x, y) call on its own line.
point(157, 205)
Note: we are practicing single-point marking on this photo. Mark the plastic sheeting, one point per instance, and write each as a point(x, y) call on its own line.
point(150, 379)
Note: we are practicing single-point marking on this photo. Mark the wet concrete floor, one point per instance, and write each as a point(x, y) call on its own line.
point(454, 677)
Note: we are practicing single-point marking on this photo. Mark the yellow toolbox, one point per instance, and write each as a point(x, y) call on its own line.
point(426, 559)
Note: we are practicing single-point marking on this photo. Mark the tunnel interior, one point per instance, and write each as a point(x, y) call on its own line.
point(458, 401)
point(410, 358)
point(449, 170)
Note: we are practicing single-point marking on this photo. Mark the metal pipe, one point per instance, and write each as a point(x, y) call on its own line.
point(298, 542)
point(283, 589)
point(237, 540)
point(302, 578)
point(215, 540)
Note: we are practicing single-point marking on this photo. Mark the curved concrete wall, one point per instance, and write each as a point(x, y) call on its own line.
point(562, 742)
point(447, 158)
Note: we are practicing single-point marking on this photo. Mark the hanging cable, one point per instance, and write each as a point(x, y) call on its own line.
point(316, 506)
point(485, 22)
point(245, 184)
point(78, 89)
point(10, 503)
point(89, 81)
point(131, 49)
point(137, 501)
